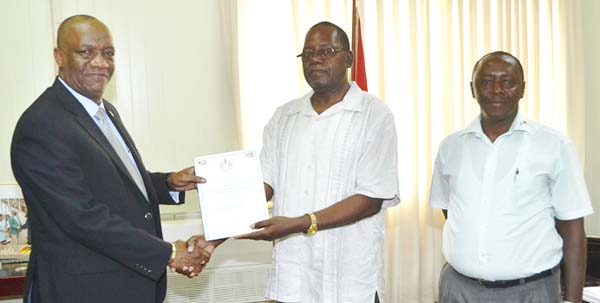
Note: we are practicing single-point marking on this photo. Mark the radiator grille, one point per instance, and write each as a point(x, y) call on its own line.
point(235, 284)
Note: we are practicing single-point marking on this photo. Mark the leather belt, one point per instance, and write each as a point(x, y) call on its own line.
point(515, 282)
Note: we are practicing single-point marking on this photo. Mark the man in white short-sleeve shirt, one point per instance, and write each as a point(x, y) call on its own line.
point(330, 165)
point(515, 197)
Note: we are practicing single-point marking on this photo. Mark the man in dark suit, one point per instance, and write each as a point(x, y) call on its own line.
point(93, 207)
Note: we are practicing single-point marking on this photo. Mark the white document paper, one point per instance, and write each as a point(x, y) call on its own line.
point(233, 197)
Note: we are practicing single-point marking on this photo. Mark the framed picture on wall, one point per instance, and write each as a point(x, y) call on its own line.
point(11, 197)
point(13, 215)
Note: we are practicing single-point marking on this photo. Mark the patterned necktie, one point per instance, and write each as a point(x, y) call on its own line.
point(112, 139)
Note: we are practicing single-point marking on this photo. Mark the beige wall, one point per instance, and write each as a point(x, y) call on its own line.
point(591, 24)
point(26, 66)
point(172, 84)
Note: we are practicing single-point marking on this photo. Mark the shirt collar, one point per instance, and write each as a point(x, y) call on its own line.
point(519, 124)
point(88, 104)
point(352, 101)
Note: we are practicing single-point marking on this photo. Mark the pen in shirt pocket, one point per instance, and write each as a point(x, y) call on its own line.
point(516, 174)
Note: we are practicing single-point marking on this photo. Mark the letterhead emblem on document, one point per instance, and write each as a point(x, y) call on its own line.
point(225, 165)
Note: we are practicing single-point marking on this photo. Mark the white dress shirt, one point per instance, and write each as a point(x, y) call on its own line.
point(502, 199)
point(313, 161)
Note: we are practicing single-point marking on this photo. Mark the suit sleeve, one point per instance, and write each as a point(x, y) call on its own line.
point(163, 192)
point(50, 173)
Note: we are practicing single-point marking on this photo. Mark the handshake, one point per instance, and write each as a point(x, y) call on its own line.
point(191, 256)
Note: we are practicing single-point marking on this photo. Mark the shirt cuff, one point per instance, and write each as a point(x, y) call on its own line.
point(175, 196)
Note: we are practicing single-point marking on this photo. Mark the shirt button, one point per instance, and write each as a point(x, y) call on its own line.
point(148, 216)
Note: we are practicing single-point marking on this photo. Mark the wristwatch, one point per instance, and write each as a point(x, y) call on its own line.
point(312, 229)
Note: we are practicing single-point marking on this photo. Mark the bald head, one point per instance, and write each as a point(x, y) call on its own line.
point(72, 22)
point(85, 55)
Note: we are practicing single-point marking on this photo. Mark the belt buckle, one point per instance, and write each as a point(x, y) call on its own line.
point(486, 284)
point(501, 283)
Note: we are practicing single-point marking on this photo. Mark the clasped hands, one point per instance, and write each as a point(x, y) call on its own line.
point(191, 256)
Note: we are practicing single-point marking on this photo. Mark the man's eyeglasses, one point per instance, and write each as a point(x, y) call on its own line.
point(321, 53)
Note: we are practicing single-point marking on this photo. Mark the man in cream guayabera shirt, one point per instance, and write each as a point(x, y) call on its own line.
point(330, 164)
point(515, 199)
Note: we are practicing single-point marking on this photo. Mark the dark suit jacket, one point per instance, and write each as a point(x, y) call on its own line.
point(94, 236)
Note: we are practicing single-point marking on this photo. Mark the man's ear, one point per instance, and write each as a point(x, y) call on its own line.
point(349, 59)
point(58, 57)
point(473, 90)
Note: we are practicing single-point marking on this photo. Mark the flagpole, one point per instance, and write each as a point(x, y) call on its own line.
point(358, 73)
point(354, 29)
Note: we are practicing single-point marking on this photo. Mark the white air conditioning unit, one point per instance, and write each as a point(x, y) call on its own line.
point(237, 271)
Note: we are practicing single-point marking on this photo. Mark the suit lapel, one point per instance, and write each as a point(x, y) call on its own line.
point(87, 123)
point(116, 119)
